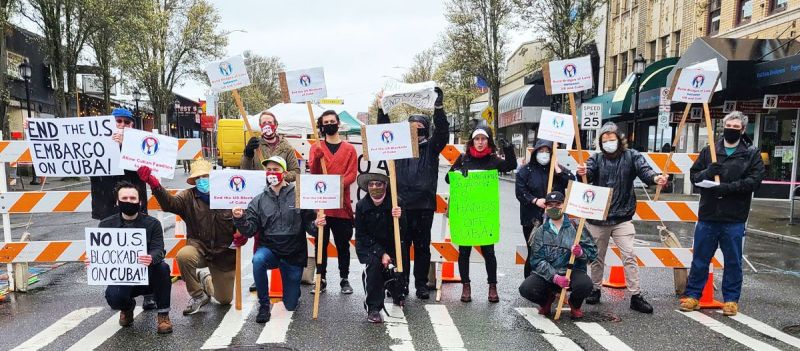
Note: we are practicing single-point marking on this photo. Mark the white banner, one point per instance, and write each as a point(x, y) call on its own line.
point(231, 188)
point(588, 201)
point(228, 74)
point(570, 76)
point(556, 127)
point(319, 192)
point(419, 95)
point(113, 255)
point(391, 141)
point(69, 147)
point(694, 86)
point(306, 84)
point(159, 152)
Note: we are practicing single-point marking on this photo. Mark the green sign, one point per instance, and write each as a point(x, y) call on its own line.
point(475, 208)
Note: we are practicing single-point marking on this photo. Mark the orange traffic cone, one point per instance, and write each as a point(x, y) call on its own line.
point(175, 272)
point(275, 284)
point(616, 280)
point(707, 299)
point(449, 271)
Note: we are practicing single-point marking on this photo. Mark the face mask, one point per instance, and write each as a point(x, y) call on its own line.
point(274, 178)
point(610, 146)
point(731, 135)
point(330, 129)
point(202, 185)
point(377, 193)
point(554, 213)
point(267, 131)
point(128, 208)
point(543, 158)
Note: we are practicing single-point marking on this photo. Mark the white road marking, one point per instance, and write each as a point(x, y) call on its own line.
point(100, 334)
point(446, 332)
point(275, 330)
point(728, 332)
point(60, 327)
point(603, 337)
point(397, 327)
point(765, 329)
point(551, 333)
point(232, 323)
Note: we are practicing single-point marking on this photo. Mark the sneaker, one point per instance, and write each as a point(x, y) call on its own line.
point(195, 304)
point(126, 317)
point(689, 304)
point(148, 303)
point(730, 308)
point(346, 288)
point(545, 309)
point(164, 324)
point(322, 286)
point(640, 305)
point(574, 312)
point(594, 297)
point(374, 317)
point(263, 314)
point(422, 293)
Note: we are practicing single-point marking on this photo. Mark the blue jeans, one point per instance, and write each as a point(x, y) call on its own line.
point(707, 237)
point(263, 260)
point(120, 297)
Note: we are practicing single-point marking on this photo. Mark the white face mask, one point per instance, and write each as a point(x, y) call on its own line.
point(610, 146)
point(543, 158)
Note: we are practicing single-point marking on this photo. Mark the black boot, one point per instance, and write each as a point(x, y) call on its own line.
point(639, 304)
point(263, 314)
point(148, 302)
point(422, 292)
point(594, 297)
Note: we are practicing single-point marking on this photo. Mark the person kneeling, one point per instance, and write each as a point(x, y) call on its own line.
point(551, 248)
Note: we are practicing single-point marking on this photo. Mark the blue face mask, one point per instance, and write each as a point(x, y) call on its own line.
point(202, 185)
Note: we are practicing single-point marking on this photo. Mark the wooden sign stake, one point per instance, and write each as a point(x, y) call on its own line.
point(573, 111)
point(393, 189)
point(712, 146)
point(320, 229)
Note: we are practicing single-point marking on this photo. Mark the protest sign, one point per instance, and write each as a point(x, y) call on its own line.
point(113, 255)
point(587, 201)
point(556, 127)
point(231, 188)
point(474, 208)
point(69, 147)
point(419, 95)
point(391, 141)
point(228, 74)
point(693, 85)
point(568, 76)
point(306, 85)
point(319, 191)
point(159, 152)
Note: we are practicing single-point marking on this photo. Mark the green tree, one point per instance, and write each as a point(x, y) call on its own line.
point(568, 26)
point(264, 90)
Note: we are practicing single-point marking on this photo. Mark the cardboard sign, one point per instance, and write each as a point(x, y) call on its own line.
point(69, 147)
point(556, 127)
point(474, 208)
point(591, 116)
point(319, 191)
point(228, 74)
point(159, 152)
point(587, 201)
point(306, 85)
point(230, 188)
point(419, 95)
point(693, 86)
point(113, 255)
point(392, 141)
point(568, 76)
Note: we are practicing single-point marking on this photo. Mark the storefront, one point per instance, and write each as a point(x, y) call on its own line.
point(519, 116)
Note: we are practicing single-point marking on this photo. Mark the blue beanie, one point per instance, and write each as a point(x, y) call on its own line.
point(122, 112)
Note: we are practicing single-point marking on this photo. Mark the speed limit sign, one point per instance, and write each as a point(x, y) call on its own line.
point(591, 116)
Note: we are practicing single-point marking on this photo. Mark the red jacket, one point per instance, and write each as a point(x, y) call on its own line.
point(344, 163)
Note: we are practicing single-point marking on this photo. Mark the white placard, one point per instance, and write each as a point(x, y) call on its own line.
point(419, 95)
point(159, 152)
point(306, 84)
point(69, 147)
point(709, 65)
point(694, 86)
point(556, 127)
point(591, 116)
point(228, 74)
point(570, 76)
point(588, 201)
point(319, 192)
point(113, 255)
point(390, 141)
point(230, 188)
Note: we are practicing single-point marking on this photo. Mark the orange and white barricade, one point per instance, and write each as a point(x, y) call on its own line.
point(646, 257)
point(680, 164)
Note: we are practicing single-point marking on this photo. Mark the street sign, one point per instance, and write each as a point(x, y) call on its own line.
point(488, 115)
point(663, 101)
point(663, 119)
point(591, 116)
point(329, 101)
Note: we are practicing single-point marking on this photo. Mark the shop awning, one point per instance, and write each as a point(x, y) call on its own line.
point(523, 105)
point(654, 76)
point(604, 100)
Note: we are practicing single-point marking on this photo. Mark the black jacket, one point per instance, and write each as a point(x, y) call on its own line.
point(375, 229)
point(531, 183)
point(417, 178)
point(491, 161)
point(104, 199)
point(152, 229)
point(619, 174)
point(742, 174)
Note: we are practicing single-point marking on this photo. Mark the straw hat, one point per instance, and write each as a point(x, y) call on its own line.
point(200, 167)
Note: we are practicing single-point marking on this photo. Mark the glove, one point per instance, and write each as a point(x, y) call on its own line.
point(252, 145)
point(577, 251)
point(239, 240)
point(464, 171)
point(561, 281)
point(721, 190)
point(145, 174)
point(439, 97)
point(714, 170)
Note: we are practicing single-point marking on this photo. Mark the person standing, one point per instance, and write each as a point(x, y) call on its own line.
point(270, 144)
point(531, 187)
point(723, 212)
point(481, 155)
point(616, 167)
point(417, 179)
point(340, 158)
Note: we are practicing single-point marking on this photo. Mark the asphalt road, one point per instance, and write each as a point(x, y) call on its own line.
point(60, 310)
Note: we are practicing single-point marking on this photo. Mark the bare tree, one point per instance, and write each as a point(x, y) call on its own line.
point(567, 26)
point(264, 90)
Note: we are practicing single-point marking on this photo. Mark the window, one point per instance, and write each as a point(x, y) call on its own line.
point(714, 10)
point(777, 5)
point(13, 61)
point(677, 42)
point(651, 51)
point(623, 66)
point(745, 12)
point(665, 46)
point(613, 73)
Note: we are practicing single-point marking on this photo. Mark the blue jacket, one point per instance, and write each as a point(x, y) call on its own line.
point(550, 251)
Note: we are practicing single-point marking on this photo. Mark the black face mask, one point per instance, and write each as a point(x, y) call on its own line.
point(732, 135)
point(129, 208)
point(330, 129)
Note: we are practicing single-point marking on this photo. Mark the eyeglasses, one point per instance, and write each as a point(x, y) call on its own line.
point(376, 184)
point(125, 121)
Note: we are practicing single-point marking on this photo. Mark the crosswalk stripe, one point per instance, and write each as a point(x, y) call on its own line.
point(551, 333)
point(60, 327)
point(765, 329)
point(446, 332)
point(603, 337)
point(727, 331)
point(232, 323)
point(100, 334)
point(275, 330)
point(397, 327)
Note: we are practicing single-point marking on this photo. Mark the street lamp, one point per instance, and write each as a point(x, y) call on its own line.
point(638, 70)
point(136, 97)
point(25, 72)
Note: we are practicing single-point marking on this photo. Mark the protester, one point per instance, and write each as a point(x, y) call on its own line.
point(340, 158)
point(209, 235)
point(121, 297)
point(616, 167)
point(723, 212)
point(282, 243)
point(375, 241)
point(481, 155)
point(270, 144)
point(550, 250)
point(531, 187)
point(417, 179)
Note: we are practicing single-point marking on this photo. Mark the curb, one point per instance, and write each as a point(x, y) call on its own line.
point(771, 235)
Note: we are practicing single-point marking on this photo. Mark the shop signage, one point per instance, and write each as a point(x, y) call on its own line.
point(781, 101)
point(785, 70)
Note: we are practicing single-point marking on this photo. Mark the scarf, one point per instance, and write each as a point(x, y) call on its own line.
point(479, 154)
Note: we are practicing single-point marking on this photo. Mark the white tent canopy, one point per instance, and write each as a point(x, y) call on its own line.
point(293, 118)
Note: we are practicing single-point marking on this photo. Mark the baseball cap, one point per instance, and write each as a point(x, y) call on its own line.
point(554, 196)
